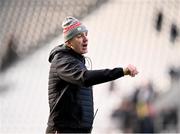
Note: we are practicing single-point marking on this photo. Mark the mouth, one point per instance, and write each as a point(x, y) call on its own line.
point(84, 45)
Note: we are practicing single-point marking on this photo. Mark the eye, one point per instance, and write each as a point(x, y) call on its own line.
point(79, 35)
point(82, 35)
point(86, 34)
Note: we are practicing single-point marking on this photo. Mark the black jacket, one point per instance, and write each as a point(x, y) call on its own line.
point(75, 108)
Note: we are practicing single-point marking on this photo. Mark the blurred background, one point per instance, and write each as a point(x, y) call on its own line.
point(144, 33)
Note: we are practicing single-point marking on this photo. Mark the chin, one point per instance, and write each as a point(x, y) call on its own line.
point(84, 51)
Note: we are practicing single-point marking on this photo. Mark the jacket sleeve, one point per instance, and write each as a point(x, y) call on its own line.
point(76, 73)
point(93, 77)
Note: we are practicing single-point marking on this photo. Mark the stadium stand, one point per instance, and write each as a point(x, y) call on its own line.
point(34, 22)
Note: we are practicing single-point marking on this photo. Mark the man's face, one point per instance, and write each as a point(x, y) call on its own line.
point(79, 43)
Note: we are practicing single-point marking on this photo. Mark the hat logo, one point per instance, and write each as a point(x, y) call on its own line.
point(79, 28)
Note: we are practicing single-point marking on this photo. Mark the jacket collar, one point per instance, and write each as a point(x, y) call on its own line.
point(75, 54)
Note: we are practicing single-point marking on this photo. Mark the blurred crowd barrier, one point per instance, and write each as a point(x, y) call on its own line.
point(27, 24)
point(146, 110)
point(136, 113)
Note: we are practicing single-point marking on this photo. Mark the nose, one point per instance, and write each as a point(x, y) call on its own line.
point(85, 38)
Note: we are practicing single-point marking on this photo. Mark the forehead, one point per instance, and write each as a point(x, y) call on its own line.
point(79, 35)
point(82, 33)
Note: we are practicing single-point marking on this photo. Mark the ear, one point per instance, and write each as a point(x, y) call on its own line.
point(69, 44)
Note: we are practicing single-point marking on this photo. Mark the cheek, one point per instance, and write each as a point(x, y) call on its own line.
point(78, 46)
point(79, 43)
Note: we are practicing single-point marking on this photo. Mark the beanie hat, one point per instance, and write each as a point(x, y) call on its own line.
point(71, 27)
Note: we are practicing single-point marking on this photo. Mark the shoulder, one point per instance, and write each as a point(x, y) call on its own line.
point(65, 58)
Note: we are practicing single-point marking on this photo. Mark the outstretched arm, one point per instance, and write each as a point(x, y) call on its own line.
point(75, 72)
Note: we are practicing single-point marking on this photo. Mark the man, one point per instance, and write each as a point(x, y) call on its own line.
point(70, 83)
